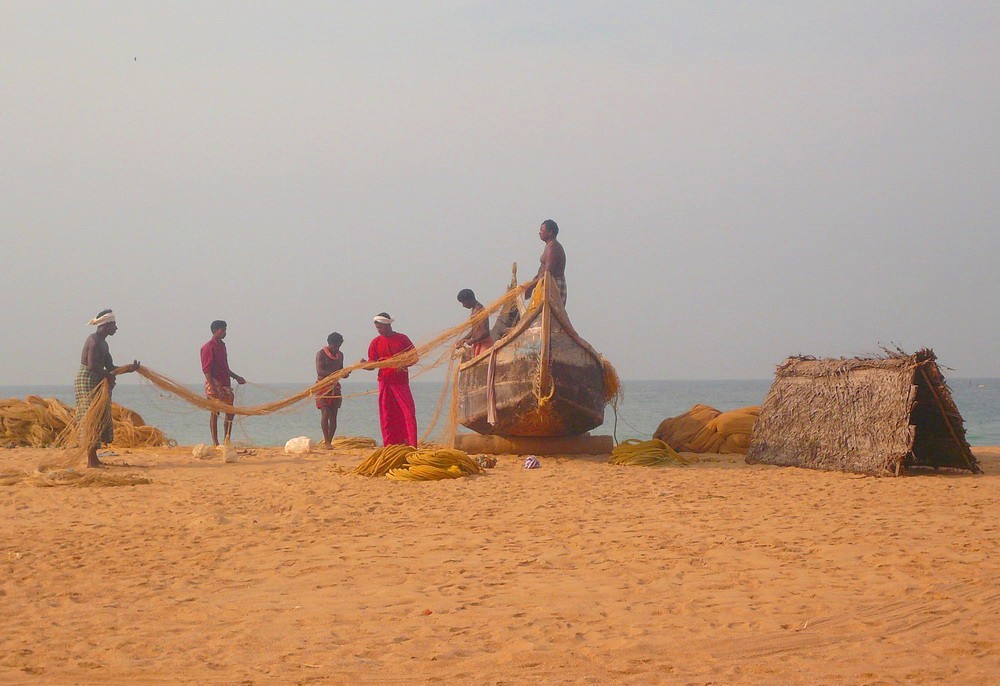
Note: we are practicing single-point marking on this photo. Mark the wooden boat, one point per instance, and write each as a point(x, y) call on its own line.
point(539, 379)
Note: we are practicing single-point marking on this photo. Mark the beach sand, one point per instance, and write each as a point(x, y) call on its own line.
point(281, 569)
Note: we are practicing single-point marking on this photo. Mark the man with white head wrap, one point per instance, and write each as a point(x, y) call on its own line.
point(397, 413)
point(97, 366)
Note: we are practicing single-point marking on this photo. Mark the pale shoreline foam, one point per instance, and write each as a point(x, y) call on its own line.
point(283, 569)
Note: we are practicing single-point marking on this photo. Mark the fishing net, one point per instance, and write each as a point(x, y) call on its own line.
point(67, 431)
point(353, 443)
point(653, 453)
point(43, 422)
point(704, 429)
point(46, 422)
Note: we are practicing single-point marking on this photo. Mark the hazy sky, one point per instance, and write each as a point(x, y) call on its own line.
point(735, 182)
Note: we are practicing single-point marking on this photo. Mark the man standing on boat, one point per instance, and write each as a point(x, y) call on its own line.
point(397, 413)
point(329, 360)
point(215, 365)
point(478, 338)
point(553, 259)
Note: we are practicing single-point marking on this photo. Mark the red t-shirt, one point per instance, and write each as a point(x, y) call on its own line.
point(215, 360)
point(384, 347)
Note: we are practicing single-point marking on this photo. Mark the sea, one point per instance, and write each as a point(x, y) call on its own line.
point(645, 405)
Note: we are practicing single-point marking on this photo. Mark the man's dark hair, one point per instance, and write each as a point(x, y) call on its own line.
point(218, 324)
point(551, 226)
point(466, 295)
point(102, 313)
point(383, 314)
point(334, 339)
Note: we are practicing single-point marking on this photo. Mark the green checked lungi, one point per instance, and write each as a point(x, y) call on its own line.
point(85, 386)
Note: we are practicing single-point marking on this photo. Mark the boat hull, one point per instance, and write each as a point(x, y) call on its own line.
point(540, 380)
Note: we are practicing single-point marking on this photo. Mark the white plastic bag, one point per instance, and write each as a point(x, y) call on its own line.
point(302, 445)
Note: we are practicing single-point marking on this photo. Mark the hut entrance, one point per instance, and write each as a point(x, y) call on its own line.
point(869, 416)
point(939, 431)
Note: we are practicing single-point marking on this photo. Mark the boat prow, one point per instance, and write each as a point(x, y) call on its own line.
point(540, 379)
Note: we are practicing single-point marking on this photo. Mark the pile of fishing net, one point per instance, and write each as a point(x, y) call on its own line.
point(45, 476)
point(704, 429)
point(33, 422)
point(132, 432)
point(654, 453)
point(43, 422)
point(406, 463)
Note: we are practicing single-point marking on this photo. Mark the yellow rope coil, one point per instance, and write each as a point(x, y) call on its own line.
point(353, 443)
point(382, 460)
point(403, 463)
point(422, 472)
point(652, 453)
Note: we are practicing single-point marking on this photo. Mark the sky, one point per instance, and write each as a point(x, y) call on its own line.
point(734, 182)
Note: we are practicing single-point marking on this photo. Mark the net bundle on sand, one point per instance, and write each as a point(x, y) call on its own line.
point(47, 476)
point(652, 453)
point(353, 443)
point(46, 422)
point(37, 422)
point(704, 429)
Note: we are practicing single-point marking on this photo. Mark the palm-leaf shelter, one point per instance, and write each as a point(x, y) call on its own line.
point(865, 415)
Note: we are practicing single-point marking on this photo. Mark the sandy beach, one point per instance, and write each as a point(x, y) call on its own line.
point(282, 569)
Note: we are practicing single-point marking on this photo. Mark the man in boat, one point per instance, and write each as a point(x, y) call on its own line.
point(215, 366)
point(329, 360)
point(397, 413)
point(96, 366)
point(478, 338)
point(553, 259)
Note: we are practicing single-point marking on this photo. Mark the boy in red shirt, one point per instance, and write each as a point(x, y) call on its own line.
point(215, 365)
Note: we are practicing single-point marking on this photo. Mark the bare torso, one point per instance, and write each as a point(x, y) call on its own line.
point(326, 366)
point(553, 259)
point(96, 355)
point(480, 331)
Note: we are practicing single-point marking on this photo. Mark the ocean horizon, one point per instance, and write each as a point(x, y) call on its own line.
point(645, 404)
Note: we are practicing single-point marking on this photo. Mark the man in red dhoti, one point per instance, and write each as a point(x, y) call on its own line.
point(397, 413)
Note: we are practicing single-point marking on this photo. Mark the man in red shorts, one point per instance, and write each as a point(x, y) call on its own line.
point(215, 365)
point(397, 413)
point(329, 360)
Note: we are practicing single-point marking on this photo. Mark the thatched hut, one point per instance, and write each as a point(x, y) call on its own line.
point(870, 416)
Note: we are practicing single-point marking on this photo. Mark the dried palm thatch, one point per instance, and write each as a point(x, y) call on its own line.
point(868, 416)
